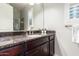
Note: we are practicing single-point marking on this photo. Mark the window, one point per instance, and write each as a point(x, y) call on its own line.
point(74, 11)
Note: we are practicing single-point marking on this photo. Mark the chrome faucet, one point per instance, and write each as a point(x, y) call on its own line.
point(31, 31)
point(43, 31)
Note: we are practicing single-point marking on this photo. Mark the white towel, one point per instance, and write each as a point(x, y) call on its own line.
point(75, 33)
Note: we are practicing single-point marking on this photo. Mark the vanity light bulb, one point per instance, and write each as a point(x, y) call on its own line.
point(31, 3)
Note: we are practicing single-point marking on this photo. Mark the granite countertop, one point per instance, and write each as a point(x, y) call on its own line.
point(21, 39)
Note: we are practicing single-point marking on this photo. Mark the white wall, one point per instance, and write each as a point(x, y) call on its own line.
point(54, 20)
point(6, 17)
point(38, 16)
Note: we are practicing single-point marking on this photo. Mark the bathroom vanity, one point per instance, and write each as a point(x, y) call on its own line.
point(30, 45)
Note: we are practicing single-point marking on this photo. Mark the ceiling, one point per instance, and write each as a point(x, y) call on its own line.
point(19, 5)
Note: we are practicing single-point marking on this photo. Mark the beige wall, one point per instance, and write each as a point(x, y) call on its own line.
point(54, 20)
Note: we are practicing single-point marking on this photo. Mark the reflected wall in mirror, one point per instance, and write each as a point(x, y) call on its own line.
point(11, 19)
point(6, 17)
point(33, 16)
point(18, 17)
point(38, 16)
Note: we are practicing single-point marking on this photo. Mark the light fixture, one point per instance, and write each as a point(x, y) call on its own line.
point(31, 3)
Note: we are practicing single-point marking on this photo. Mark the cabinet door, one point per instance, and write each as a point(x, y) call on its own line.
point(51, 47)
point(45, 49)
point(12, 51)
point(35, 52)
point(42, 50)
point(35, 43)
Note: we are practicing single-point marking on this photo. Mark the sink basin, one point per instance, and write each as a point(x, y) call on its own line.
point(34, 36)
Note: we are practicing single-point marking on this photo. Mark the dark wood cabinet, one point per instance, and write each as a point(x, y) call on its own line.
point(43, 46)
point(12, 51)
point(37, 47)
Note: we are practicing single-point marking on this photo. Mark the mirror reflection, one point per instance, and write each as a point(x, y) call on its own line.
point(21, 17)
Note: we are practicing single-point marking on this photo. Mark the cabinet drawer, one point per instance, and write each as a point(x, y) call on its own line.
point(36, 42)
point(12, 51)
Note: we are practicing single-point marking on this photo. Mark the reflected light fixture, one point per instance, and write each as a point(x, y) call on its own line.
point(33, 3)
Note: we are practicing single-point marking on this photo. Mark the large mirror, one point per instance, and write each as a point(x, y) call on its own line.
point(28, 17)
point(21, 17)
